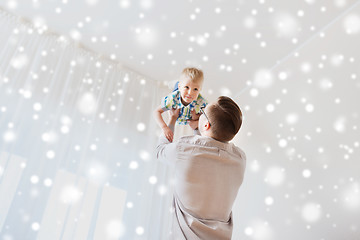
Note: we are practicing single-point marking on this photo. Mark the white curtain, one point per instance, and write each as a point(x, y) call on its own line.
point(77, 147)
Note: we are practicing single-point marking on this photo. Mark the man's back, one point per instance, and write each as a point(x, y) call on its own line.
point(208, 174)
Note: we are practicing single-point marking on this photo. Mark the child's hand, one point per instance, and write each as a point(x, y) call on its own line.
point(194, 116)
point(168, 133)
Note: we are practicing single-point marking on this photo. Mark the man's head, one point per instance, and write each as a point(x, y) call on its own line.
point(224, 119)
point(190, 84)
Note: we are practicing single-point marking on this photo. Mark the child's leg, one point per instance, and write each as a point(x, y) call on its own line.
point(176, 87)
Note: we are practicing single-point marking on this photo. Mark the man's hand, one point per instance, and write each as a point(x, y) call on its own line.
point(193, 124)
point(168, 133)
point(174, 113)
point(194, 116)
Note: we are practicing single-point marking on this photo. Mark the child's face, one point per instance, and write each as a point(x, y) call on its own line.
point(189, 90)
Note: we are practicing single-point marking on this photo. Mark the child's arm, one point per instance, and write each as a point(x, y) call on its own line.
point(157, 115)
point(174, 114)
point(160, 121)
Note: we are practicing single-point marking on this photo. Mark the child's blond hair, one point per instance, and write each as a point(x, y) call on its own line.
point(193, 74)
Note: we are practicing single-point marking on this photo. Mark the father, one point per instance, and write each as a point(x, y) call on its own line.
point(208, 172)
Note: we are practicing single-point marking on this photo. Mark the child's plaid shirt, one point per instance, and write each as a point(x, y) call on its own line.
point(173, 100)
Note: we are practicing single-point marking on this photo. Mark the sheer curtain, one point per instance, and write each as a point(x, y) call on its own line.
point(77, 147)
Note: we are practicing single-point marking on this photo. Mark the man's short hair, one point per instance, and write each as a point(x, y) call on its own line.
point(225, 118)
point(193, 74)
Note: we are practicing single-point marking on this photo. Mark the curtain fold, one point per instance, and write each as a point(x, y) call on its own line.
point(77, 151)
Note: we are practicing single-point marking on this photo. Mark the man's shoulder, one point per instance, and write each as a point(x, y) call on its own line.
point(197, 143)
point(195, 140)
point(238, 151)
point(189, 139)
point(210, 142)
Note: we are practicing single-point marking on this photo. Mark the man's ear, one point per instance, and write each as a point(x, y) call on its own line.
point(207, 126)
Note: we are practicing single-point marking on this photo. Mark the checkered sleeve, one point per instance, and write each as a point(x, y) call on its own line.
point(200, 102)
point(204, 103)
point(168, 102)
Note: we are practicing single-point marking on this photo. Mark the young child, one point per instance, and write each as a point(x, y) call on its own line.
point(186, 97)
